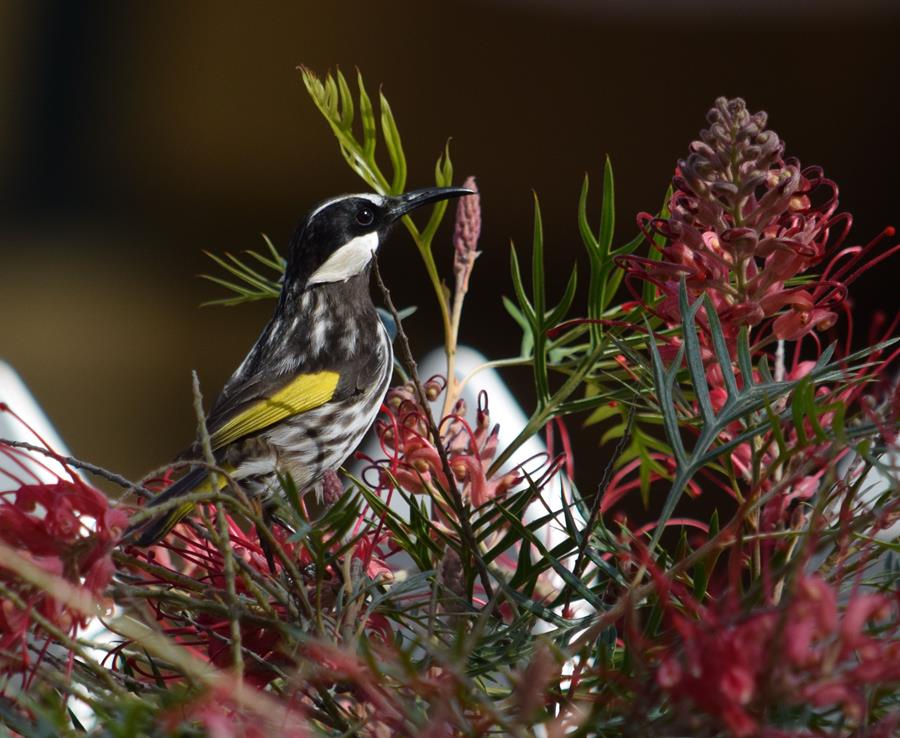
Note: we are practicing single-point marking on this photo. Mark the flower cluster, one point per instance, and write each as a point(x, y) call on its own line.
point(743, 224)
point(414, 461)
point(64, 527)
point(811, 652)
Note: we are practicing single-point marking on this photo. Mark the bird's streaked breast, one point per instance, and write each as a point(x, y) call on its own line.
point(312, 442)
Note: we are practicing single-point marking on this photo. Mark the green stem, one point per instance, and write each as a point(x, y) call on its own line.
point(547, 410)
point(424, 247)
point(496, 364)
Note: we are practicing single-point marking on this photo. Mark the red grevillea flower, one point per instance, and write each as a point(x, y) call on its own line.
point(414, 461)
point(812, 652)
point(743, 223)
point(65, 527)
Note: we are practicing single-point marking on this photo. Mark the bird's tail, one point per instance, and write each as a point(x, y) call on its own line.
point(148, 533)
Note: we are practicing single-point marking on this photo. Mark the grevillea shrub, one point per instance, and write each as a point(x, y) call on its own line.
point(448, 590)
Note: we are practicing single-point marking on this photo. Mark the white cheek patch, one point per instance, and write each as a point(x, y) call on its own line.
point(348, 261)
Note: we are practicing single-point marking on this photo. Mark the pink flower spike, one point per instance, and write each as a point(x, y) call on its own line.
point(466, 232)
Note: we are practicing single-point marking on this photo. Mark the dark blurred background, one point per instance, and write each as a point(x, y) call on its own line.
point(134, 135)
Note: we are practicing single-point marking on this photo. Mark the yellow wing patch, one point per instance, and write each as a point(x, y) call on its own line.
point(303, 393)
point(159, 528)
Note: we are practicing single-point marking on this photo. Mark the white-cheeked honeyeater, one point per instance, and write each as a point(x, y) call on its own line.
point(311, 386)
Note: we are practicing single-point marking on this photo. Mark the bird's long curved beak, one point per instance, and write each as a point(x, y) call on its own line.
point(402, 204)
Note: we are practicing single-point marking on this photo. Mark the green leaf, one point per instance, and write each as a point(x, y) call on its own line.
point(648, 296)
point(602, 413)
point(607, 210)
point(443, 177)
point(519, 288)
point(527, 346)
point(286, 481)
point(537, 261)
point(346, 101)
point(559, 312)
point(394, 146)
point(584, 227)
point(248, 284)
point(367, 118)
point(720, 347)
point(694, 355)
point(541, 380)
point(443, 168)
point(663, 381)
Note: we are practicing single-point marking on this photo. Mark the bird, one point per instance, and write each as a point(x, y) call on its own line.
point(312, 384)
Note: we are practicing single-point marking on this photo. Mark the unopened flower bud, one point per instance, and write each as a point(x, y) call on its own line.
point(465, 235)
point(432, 391)
point(799, 203)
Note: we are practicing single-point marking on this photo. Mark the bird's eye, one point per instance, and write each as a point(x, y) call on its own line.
point(365, 216)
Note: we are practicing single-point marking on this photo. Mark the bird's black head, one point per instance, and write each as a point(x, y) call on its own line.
point(339, 237)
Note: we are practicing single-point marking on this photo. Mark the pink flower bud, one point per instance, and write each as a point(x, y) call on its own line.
point(466, 231)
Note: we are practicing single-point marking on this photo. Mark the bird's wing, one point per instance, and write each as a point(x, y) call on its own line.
point(261, 404)
point(258, 404)
point(196, 480)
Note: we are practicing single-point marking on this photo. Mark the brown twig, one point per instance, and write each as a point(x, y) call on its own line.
point(79, 464)
point(224, 539)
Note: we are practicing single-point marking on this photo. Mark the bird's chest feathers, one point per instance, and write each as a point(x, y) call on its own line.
point(322, 326)
point(335, 324)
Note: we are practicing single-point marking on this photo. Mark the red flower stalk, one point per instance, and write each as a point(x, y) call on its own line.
point(63, 526)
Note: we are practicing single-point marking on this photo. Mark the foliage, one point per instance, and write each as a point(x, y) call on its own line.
point(500, 600)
